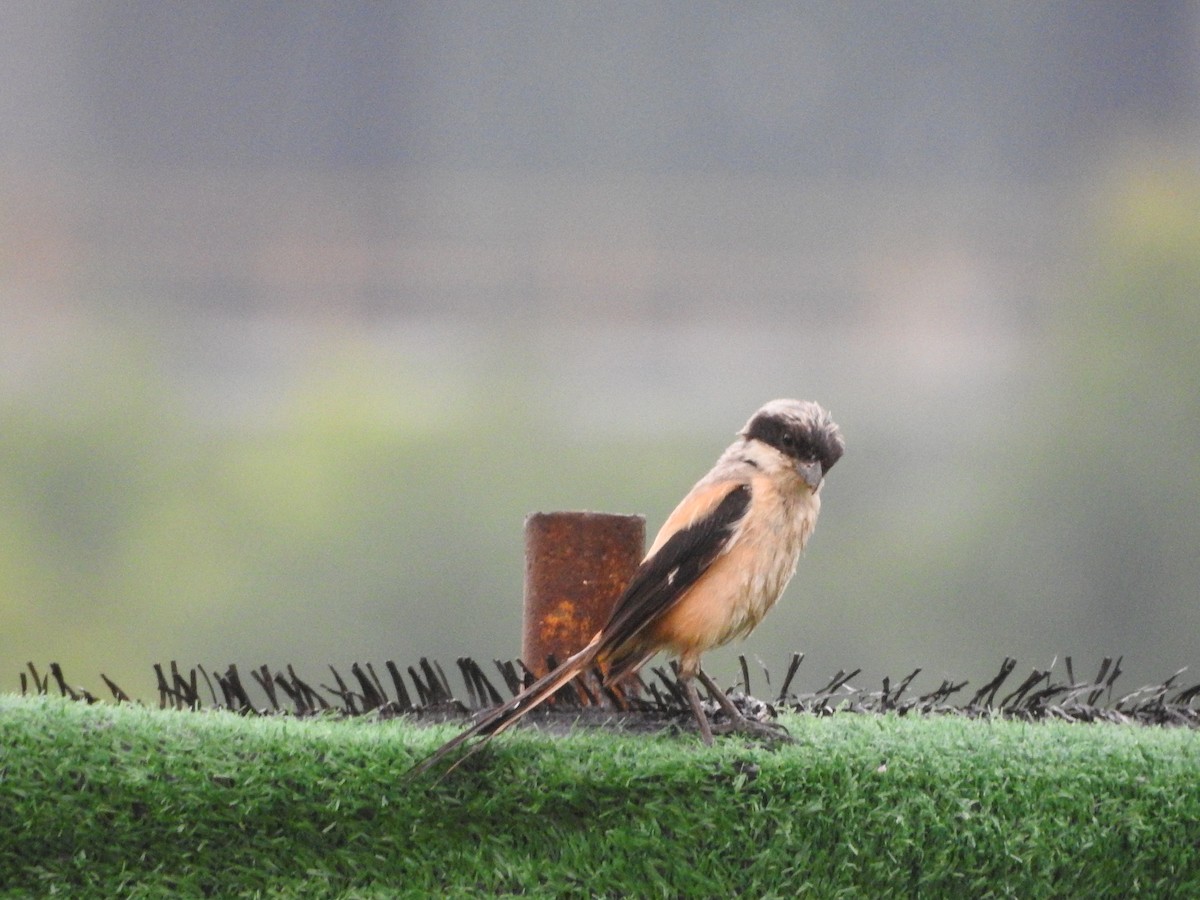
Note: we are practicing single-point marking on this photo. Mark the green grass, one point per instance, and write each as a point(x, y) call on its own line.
point(112, 801)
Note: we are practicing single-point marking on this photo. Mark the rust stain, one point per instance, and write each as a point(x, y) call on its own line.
point(576, 565)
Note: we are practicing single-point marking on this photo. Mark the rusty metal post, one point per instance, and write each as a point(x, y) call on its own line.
point(576, 565)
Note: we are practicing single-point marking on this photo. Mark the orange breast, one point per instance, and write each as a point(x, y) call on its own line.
point(742, 584)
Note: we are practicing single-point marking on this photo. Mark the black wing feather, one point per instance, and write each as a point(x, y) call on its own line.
point(663, 578)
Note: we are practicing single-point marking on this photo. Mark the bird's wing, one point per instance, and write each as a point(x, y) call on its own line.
point(707, 521)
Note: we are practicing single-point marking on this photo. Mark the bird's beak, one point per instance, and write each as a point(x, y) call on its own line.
point(811, 473)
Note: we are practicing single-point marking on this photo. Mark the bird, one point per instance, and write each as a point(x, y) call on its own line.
point(717, 566)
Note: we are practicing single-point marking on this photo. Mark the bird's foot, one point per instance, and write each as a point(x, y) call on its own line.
point(750, 719)
point(768, 732)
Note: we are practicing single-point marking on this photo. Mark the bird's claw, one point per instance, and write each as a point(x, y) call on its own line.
point(771, 732)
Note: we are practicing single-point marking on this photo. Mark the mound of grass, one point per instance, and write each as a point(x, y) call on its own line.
point(123, 801)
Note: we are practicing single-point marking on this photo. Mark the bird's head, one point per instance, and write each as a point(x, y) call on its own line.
point(802, 432)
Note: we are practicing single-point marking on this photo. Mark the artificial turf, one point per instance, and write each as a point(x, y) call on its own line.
point(110, 801)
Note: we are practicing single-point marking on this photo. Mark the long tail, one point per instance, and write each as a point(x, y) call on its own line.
point(508, 714)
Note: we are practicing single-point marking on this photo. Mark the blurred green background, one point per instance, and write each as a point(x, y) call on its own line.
point(304, 308)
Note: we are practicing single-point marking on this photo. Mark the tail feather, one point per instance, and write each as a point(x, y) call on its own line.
point(507, 714)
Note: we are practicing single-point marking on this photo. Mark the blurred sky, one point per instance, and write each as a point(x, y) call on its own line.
point(608, 229)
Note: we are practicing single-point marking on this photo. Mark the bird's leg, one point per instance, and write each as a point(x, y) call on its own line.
point(738, 722)
point(689, 688)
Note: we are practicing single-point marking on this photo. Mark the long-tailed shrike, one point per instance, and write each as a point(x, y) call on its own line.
point(720, 561)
